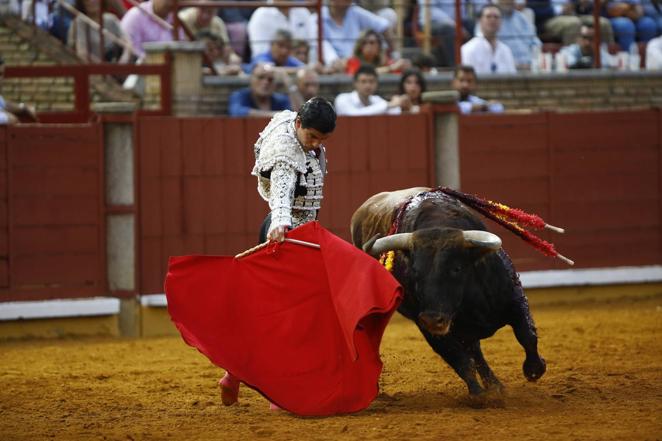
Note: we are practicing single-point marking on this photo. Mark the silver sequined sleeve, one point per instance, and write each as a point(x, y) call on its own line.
point(283, 183)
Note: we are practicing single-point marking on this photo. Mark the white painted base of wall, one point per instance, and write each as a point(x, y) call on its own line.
point(59, 308)
point(530, 279)
point(592, 276)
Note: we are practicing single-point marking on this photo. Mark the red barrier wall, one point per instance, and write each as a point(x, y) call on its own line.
point(597, 174)
point(51, 212)
point(197, 194)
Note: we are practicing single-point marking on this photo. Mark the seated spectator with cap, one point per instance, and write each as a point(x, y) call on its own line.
point(464, 82)
point(363, 101)
point(580, 55)
point(280, 52)
point(486, 53)
point(260, 99)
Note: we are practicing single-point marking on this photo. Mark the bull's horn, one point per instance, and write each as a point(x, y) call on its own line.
point(401, 241)
point(484, 239)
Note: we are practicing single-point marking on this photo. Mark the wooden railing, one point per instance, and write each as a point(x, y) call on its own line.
point(81, 75)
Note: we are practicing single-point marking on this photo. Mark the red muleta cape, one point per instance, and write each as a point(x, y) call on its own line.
point(300, 325)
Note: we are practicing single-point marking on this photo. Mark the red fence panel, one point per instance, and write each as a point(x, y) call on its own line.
point(4, 211)
point(197, 194)
point(54, 194)
point(606, 186)
point(597, 174)
point(506, 159)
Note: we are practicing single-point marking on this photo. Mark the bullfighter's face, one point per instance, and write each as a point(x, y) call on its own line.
point(309, 138)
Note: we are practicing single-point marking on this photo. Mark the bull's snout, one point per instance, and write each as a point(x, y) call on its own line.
point(434, 322)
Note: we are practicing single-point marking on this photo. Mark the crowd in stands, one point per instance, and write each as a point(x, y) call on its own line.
point(277, 48)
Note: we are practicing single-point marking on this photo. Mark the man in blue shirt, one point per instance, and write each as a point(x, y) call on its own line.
point(279, 53)
point(260, 98)
point(343, 22)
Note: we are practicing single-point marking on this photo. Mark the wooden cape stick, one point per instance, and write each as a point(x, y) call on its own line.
point(264, 244)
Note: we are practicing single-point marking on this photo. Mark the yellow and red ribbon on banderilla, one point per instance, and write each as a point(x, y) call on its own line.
point(512, 219)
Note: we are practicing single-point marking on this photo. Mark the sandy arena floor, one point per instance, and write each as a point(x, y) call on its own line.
point(604, 382)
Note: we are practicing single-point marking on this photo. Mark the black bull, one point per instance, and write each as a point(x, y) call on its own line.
point(460, 287)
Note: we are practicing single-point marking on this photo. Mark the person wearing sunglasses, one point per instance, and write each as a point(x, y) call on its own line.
point(260, 98)
point(580, 55)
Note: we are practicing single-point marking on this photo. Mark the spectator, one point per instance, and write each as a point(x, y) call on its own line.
point(225, 61)
point(266, 21)
point(280, 52)
point(301, 51)
point(464, 81)
point(654, 54)
point(368, 50)
point(629, 23)
point(142, 27)
point(571, 16)
point(517, 33)
point(410, 90)
point(343, 23)
point(362, 101)
point(543, 11)
point(206, 19)
point(11, 112)
point(425, 63)
point(300, 23)
point(442, 15)
point(260, 98)
point(49, 15)
point(236, 22)
point(307, 85)
point(84, 39)
point(580, 55)
point(653, 13)
point(486, 53)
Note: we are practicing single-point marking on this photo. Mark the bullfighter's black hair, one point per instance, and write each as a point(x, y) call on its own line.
point(317, 113)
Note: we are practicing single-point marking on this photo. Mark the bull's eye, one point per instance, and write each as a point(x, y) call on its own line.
point(455, 270)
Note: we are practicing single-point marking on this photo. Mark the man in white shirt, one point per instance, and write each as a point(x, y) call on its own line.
point(485, 53)
point(362, 101)
point(300, 22)
point(654, 54)
point(266, 21)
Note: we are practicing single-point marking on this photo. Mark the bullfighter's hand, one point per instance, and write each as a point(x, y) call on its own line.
point(277, 234)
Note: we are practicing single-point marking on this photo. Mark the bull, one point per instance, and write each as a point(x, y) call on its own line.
point(460, 286)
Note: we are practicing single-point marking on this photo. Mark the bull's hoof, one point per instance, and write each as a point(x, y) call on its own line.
point(487, 399)
point(534, 368)
point(496, 388)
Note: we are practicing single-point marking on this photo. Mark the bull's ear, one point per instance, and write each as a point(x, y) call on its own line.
point(482, 239)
